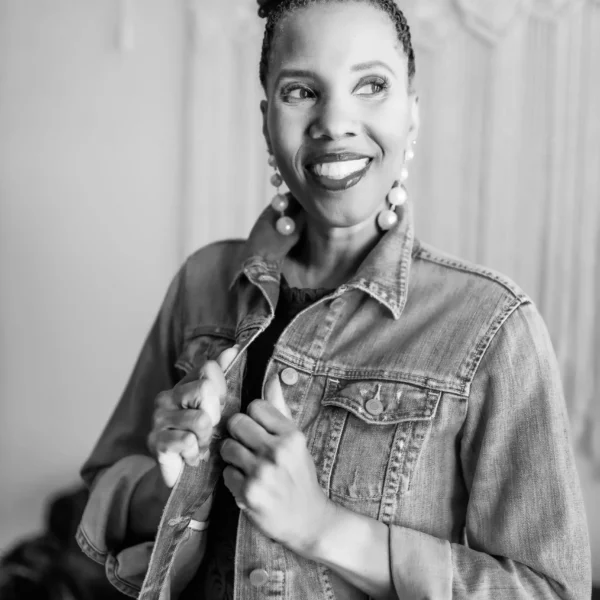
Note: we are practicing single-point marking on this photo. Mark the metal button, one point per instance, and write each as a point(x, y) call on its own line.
point(289, 376)
point(259, 577)
point(374, 406)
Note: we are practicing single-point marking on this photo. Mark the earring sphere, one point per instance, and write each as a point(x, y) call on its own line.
point(285, 226)
point(276, 180)
point(272, 161)
point(409, 154)
point(280, 203)
point(387, 219)
point(397, 196)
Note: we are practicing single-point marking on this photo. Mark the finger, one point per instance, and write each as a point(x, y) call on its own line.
point(226, 357)
point(191, 394)
point(274, 394)
point(250, 433)
point(197, 422)
point(186, 392)
point(166, 400)
point(171, 459)
point(212, 371)
point(264, 414)
point(239, 456)
point(183, 443)
point(171, 466)
point(211, 401)
point(235, 481)
point(210, 388)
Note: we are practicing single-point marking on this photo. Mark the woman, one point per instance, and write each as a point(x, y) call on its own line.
point(410, 439)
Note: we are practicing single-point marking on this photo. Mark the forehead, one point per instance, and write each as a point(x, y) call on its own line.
point(333, 35)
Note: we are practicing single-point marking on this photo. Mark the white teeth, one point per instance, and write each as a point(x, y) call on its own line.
point(340, 169)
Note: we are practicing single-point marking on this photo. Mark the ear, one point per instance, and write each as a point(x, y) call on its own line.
point(415, 120)
point(264, 108)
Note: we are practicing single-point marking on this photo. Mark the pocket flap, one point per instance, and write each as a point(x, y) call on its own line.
point(382, 402)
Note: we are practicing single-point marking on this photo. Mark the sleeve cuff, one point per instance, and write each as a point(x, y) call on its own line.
point(421, 565)
point(103, 527)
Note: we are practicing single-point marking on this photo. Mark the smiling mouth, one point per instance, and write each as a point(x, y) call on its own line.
point(339, 175)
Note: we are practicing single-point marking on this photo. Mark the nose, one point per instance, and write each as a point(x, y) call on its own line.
point(333, 121)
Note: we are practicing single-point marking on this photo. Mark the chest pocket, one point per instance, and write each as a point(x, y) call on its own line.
point(373, 435)
point(202, 344)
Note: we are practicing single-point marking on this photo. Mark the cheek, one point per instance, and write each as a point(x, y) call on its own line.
point(389, 128)
point(286, 132)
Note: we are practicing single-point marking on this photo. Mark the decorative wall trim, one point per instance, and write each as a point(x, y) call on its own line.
point(125, 36)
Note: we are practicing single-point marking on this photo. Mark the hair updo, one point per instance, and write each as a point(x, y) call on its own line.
point(274, 10)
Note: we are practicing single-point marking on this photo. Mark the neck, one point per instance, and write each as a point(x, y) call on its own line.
point(328, 257)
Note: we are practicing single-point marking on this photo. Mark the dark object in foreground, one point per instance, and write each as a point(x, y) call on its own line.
point(50, 566)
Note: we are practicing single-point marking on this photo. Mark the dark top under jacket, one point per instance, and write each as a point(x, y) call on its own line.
point(214, 580)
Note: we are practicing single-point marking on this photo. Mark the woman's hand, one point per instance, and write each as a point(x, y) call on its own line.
point(271, 473)
point(185, 417)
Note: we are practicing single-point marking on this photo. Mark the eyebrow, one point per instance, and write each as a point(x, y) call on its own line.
point(287, 73)
point(365, 66)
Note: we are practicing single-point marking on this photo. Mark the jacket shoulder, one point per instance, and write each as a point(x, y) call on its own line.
point(218, 260)
point(470, 274)
point(205, 299)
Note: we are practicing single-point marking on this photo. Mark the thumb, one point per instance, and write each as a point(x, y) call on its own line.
point(213, 404)
point(226, 357)
point(171, 466)
point(274, 395)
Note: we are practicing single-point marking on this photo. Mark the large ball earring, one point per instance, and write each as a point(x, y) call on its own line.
point(397, 196)
point(284, 225)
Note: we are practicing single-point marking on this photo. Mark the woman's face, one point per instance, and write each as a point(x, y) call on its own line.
point(339, 116)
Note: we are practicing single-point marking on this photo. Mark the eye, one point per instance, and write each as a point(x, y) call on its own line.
point(372, 87)
point(296, 93)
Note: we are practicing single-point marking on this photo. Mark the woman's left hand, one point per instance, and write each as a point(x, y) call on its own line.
point(271, 473)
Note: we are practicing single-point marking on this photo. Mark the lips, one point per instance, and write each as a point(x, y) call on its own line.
point(338, 171)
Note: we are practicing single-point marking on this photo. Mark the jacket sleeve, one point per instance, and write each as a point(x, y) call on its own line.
point(526, 533)
point(121, 457)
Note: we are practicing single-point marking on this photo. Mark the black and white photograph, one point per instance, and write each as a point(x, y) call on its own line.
point(300, 299)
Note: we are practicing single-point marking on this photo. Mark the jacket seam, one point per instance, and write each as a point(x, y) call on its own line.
point(112, 564)
point(426, 383)
point(88, 547)
point(457, 265)
point(212, 330)
point(490, 337)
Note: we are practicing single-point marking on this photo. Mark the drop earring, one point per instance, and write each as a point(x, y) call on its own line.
point(284, 225)
point(397, 196)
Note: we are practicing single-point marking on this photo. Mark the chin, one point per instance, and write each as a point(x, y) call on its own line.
point(346, 210)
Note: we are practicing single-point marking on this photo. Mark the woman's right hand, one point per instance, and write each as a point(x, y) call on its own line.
point(185, 417)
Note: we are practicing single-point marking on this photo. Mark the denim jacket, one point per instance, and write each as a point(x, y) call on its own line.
point(430, 398)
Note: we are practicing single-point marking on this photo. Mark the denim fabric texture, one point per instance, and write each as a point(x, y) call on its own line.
point(430, 398)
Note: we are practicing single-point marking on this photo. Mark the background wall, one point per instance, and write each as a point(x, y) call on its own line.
point(130, 135)
point(90, 159)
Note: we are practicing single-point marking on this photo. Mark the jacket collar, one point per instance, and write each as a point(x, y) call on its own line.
point(383, 274)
